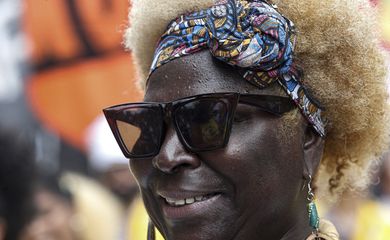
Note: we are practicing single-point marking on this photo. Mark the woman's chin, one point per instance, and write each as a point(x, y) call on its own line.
point(201, 220)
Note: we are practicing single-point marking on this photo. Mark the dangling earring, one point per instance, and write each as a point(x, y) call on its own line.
point(151, 232)
point(314, 220)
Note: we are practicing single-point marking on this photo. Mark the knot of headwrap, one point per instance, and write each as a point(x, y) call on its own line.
point(251, 36)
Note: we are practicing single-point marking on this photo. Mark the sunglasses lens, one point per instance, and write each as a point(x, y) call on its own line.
point(203, 123)
point(140, 130)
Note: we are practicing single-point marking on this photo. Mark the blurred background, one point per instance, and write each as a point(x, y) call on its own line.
point(61, 63)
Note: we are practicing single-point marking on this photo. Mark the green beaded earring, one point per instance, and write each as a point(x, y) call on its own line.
point(314, 220)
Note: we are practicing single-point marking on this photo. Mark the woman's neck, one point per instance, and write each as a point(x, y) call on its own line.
point(287, 228)
point(301, 230)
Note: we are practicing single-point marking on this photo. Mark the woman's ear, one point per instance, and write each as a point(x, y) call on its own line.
point(313, 147)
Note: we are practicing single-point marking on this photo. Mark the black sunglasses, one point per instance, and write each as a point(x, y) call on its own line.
point(202, 122)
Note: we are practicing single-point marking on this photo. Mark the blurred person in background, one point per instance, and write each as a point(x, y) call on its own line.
point(98, 213)
point(56, 216)
point(71, 206)
point(16, 183)
point(112, 169)
point(108, 162)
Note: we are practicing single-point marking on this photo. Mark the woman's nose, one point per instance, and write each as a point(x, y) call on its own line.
point(173, 156)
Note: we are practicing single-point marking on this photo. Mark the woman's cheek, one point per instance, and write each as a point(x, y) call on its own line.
point(142, 170)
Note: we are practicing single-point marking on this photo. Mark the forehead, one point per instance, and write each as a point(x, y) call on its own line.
point(199, 73)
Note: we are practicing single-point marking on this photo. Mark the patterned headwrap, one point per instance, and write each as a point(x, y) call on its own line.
point(251, 36)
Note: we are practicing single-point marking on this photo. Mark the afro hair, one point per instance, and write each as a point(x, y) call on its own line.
point(338, 48)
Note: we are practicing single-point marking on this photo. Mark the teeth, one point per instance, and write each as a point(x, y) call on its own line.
point(187, 201)
point(170, 201)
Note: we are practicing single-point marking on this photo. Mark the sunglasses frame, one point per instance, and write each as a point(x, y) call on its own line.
point(168, 109)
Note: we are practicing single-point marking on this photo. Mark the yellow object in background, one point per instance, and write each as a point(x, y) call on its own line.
point(373, 221)
point(138, 222)
point(99, 214)
point(385, 19)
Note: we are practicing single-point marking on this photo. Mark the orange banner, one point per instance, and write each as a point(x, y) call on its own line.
point(79, 64)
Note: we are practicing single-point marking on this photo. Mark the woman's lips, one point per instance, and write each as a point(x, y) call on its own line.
point(188, 205)
point(187, 201)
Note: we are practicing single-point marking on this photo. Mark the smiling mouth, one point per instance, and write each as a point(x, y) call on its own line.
point(184, 205)
point(188, 201)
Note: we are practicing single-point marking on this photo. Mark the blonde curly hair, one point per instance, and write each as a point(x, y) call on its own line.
point(343, 64)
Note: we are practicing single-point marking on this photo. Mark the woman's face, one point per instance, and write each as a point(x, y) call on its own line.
point(252, 187)
point(53, 220)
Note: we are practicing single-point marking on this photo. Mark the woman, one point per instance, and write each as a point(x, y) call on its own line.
point(233, 129)
point(55, 212)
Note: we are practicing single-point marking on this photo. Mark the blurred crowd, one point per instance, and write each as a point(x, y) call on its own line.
point(62, 176)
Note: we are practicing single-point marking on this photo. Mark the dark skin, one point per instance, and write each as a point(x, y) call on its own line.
point(258, 177)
